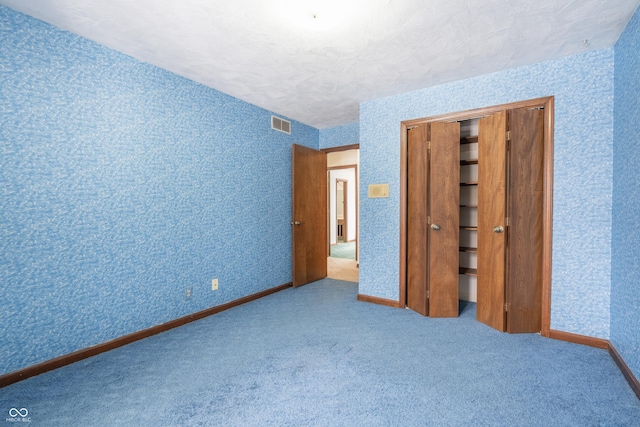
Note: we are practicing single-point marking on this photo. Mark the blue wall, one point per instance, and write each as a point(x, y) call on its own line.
point(123, 185)
point(339, 136)
point(583, 90)
point(625, 266)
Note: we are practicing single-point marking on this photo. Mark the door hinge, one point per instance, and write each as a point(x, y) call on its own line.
point(428, 220)
point(506, 221)
point(506, 306)
point(428, 145)
point(427, 293)
point(508, 135)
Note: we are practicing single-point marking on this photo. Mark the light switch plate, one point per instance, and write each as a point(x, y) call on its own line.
point(377, 191)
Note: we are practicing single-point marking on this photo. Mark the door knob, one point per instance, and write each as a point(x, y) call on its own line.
point(498, 229)
point(295, 222)
point(435, 227)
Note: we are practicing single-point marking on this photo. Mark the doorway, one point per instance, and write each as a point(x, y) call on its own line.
point(342, 206)
point(342, 212)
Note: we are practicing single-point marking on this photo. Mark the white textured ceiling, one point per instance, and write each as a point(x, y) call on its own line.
point(276, 55)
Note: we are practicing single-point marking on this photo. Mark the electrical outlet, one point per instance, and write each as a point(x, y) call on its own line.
point(188, 293)
point(214, 284)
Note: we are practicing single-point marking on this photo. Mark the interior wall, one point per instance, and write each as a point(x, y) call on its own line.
point(625, 274)
point(122, 186)
point(350, 176)
point(583, 89)
point(339, 136)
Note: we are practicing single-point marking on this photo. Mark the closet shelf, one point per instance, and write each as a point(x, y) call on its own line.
point(468, 249)
point(468, 139)
point(467, 184)
point(468, 271)
point(469, 227)
point(468, 162)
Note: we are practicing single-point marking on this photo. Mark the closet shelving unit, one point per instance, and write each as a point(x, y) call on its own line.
point(468, 181)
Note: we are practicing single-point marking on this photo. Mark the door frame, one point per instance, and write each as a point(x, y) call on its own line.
point(547, 198)
point(345, 209)
point(354, 166)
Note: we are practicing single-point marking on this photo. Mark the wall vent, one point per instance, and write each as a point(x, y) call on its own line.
point(280, 124)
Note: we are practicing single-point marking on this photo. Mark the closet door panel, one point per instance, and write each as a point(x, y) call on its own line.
point(417, 244)
point(492, 196)
point(525, 213)
point(444, 209)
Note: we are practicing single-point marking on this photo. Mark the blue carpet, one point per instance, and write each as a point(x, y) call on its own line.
point(344, 250)
point(314, 356)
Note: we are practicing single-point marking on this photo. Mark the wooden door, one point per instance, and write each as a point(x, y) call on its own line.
point(492, 213)
point(444, 212)
point(524, 285)
point(417, 243)
point(309, 215)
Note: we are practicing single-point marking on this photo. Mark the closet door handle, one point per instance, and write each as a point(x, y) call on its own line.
point(498, 229)
point(435, 227)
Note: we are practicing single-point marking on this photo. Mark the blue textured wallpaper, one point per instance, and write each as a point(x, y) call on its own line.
point(625, 265)
point(583, 89)
point(339, 136)
point(122, 186)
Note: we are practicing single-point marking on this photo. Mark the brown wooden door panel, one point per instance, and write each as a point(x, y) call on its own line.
point(492, 187)
point(309, 215)
point(444, 209)
point(417, 245)
point(525, 215)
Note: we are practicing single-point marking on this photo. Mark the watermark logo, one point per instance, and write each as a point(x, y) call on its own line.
point(22, 412)
point(19, 415)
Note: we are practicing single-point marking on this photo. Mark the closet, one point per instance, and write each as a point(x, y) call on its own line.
point(474, 216)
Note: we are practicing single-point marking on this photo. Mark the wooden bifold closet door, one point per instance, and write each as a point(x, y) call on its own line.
point(504, 202)
point(510, 228)
point(433, 218)
point(417, 211)
point(510, 189)
point(492, 214)
point(524, 278)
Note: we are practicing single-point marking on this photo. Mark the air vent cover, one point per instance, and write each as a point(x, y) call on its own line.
point(280, 124)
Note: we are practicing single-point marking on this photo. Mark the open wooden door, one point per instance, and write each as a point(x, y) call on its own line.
point(524, 286)
point(309, 215)
point(444, 214)
point(492, 213)
point(417, 235)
